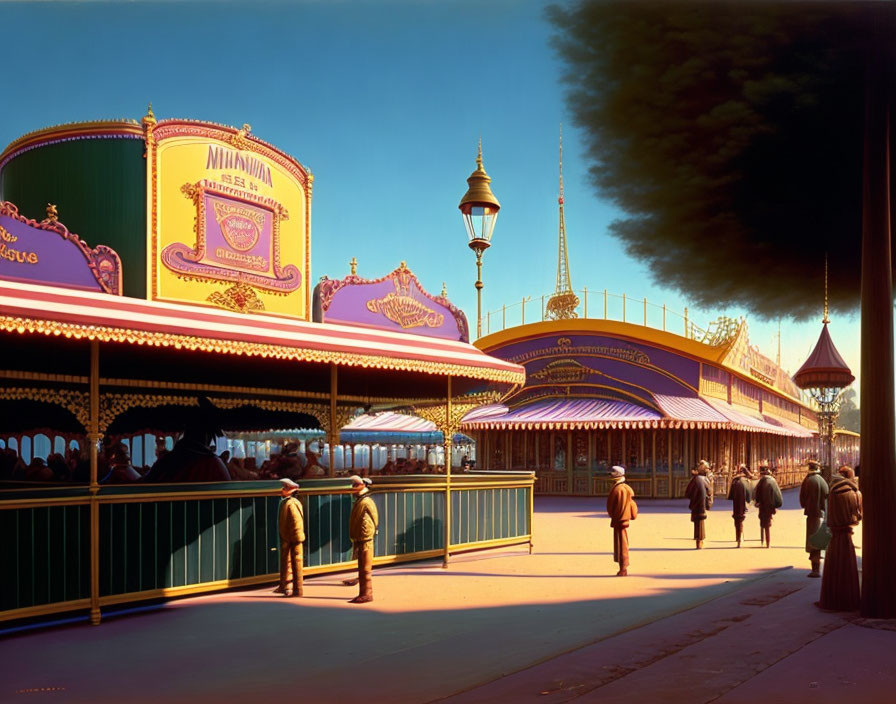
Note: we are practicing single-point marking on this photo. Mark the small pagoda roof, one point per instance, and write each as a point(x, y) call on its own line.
point(824, 367)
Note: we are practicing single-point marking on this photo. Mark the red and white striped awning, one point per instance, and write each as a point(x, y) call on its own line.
point(563, 414)
point(593, 414)
point(388, 421)
point(31, 308)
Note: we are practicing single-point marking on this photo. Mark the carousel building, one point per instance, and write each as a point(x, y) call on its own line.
point(155, 276)
point(602, 392)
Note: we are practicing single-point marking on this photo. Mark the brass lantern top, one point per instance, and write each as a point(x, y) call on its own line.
point(479, 192)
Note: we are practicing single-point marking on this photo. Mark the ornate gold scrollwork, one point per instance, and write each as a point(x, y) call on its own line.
point(75, 402)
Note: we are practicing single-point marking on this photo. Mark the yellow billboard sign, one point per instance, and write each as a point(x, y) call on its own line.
point(229, 220)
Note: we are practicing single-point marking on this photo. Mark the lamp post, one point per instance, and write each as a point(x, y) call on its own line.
point(479, 208)
point(824, 375)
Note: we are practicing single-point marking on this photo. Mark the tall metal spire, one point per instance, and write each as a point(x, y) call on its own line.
point(563, 303)
point(826, 319)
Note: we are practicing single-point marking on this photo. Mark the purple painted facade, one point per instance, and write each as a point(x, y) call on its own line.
point(47, 253)
point(395, 302)
point(598, 365)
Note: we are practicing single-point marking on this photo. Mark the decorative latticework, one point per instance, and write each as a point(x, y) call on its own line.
point(562, 305)
point(719, 332)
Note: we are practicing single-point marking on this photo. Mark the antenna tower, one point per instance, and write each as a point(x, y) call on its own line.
point(563, 303)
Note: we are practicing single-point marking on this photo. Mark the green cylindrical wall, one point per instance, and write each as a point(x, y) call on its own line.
point(99, 188)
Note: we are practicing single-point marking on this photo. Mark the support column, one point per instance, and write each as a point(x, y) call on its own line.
point(653, 462)
point(447, 432)
point(93, 437)
point(570, 478)
point(333, 438)
point(878, 452)
point(670, 488)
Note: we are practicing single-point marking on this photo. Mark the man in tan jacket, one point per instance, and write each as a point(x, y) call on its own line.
point(621, 508)
point(362, 525)
point(291, 525)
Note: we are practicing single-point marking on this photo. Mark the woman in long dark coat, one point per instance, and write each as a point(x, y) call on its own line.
point(840, 580)
point(739, 496)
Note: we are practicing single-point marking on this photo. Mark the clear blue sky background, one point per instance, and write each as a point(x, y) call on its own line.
point(384, 100)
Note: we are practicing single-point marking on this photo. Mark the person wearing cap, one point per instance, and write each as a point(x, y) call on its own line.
point(768, 499)
point(362, 525)
point(840, 582)
point(813, 497)
point(739, 496)
point(291, 525)
point(699, 495)
point(622, 509)
point(313, 467)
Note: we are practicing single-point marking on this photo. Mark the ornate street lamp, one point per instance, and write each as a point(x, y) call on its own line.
point(479, 208)
point(824, 375)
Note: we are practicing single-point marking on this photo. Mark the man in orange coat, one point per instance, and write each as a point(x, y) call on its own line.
point(621, 508)
point(291, 525)
point(362, 526)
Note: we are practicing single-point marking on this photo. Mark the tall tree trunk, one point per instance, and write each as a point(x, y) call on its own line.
point(878, 449)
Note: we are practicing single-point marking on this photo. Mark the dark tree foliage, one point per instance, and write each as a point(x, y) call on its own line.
point(731, 136)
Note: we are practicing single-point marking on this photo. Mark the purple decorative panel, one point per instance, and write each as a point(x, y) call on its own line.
point(395, 302)
point(238, 239)
point(47, 253)
point(572, 365)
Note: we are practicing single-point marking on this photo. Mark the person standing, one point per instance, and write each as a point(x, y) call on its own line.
point(739, 495)
point(291, 525)
point(622, 509)
point(699, 494)
point(768, 499)
point(362, 525)
point(840, 582)
point(813, 497)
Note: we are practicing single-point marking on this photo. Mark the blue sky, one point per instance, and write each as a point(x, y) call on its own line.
point(384, 101)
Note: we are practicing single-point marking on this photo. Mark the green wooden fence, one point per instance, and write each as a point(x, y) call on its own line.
point(162, 541)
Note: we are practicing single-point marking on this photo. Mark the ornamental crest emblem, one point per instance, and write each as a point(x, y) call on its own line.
point(240, 225)
point(402, 308)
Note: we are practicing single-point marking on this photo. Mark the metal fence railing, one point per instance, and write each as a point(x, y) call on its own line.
point(600, 305)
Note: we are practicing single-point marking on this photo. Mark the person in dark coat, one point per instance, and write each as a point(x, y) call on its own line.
point(192, 459)
point(291, 526)
point(840, 582)
point(768, 499)
point(699, 495)
point(622, 509)
point(739, 495)
point(813, 497)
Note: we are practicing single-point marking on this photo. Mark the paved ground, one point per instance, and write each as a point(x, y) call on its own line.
point(719, 624)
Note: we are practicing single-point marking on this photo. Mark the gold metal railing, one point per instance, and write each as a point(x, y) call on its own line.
point(600, 305)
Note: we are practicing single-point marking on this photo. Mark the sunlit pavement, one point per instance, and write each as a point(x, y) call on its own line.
point(432, 633)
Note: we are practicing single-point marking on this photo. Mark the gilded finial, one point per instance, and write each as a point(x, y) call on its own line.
point(444, 290)
point(149, 119)
point(239, 139)
point(479, 155)
point(354, 266)
point(825, 320)
point(52, 213)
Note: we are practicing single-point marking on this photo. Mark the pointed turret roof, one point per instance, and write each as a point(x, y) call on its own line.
point(825, 367)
